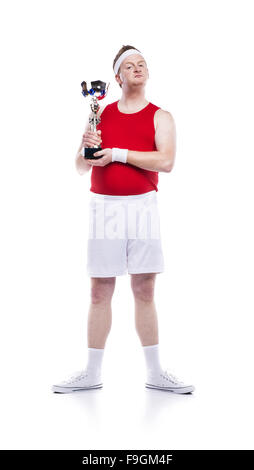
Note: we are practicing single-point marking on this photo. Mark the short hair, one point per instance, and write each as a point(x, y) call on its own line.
point(120, 52)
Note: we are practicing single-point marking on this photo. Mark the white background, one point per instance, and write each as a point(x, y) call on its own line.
point(200, 59)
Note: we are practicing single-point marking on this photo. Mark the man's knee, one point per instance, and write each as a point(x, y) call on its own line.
point(102, 289)
point(143, 286)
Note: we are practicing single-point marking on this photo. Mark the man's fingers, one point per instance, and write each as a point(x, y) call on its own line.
point(91, 137)
point(91, 141)
point(86, 139)
point(93, 134)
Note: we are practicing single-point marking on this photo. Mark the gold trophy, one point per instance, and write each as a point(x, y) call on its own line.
point(98, 91)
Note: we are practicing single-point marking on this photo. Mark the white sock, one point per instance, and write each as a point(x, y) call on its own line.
point(152, 359)
point(94, 361)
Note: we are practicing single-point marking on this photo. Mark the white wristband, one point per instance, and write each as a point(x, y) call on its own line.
point(119, 155)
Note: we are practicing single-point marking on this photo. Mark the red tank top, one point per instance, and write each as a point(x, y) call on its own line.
point(126, 131)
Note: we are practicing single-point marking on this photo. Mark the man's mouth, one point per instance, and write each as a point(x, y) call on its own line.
point(139, 75)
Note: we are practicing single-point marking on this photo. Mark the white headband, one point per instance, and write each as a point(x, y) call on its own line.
point(123, 56)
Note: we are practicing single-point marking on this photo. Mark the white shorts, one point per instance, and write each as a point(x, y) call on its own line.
point(124, 235)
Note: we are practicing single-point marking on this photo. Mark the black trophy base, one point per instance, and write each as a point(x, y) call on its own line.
point(89, 151)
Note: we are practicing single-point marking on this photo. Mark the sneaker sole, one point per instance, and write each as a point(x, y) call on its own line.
point(57, 389)
point(189, 389)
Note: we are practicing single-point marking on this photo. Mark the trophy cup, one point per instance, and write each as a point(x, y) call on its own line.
point(98, 91)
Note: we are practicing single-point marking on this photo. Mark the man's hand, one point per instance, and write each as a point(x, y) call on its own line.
point(107, 158)
point(91, 138)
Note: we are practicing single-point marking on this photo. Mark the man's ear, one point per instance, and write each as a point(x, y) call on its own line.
point(118, 79)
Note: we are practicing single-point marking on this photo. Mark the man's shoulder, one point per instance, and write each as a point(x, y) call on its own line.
point(162, 116)
point(103, 107)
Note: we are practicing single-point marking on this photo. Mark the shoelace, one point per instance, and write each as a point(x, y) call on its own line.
point(77, 377)
point(169, 376)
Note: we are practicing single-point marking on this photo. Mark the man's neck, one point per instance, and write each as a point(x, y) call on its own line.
point(133, 100)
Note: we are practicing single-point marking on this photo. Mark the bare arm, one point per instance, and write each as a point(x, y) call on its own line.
point(165, 139)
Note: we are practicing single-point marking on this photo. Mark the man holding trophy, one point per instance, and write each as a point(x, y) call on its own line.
point(125, 145)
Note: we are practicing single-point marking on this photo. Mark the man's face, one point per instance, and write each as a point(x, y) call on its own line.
point(133, 71)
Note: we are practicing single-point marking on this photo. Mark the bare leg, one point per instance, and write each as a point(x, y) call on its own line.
point(100, 312)
point(146, 321)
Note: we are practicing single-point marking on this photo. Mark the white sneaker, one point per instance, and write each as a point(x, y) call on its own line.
point(82, 380)
point(168, 381)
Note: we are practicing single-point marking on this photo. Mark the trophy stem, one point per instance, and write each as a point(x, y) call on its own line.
point(93, 124)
